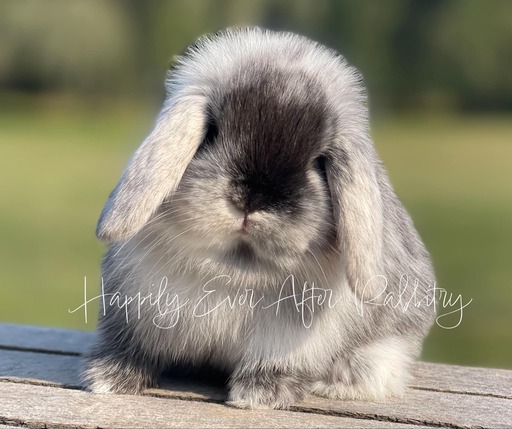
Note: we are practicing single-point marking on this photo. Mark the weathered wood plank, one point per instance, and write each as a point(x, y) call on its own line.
point(44, 406)
point(425, 407)
point(419, 406)
point(55, 340)
point(445, 378)
point(460, 379)
point(40, 368)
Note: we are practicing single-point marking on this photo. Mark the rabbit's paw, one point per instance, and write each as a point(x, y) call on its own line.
point(267, 389)
point(110, 376)
point(375, 372)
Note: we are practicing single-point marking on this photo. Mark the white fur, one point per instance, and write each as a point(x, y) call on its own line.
point(171, 217)
point(387, 364)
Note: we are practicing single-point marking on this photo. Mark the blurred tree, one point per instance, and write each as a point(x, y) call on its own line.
point(471, 52)
point(68, 44)
point(365, 33)
point(411, 52)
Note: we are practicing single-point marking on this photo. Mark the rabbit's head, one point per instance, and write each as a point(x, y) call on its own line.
point(260, 156)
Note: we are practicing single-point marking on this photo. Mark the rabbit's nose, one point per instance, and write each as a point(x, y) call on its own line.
point(248, 203)
point(254, 202)
point(249, 197)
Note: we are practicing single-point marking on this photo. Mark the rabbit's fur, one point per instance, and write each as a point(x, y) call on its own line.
point(260, 180)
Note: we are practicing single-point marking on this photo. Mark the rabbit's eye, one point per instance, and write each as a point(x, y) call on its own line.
point(212, 131)
point(319, 166)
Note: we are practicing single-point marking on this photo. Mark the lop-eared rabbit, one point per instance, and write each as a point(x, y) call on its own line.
point(255, 232)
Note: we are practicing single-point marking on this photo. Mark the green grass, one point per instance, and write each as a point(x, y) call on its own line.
point(57, 167)
point(454, 176)
point(59, 163)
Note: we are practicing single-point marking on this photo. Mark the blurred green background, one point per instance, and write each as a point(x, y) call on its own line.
point(82, 81)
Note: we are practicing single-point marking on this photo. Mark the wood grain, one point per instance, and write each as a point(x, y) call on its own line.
point(44, 362)
point(51, 340)
point(461, 379)
point(445, 378)
point(43, 406)
point(421, 407)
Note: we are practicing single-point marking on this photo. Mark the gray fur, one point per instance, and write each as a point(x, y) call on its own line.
point(268, 132)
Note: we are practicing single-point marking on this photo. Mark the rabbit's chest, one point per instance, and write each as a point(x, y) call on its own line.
point(193, 320)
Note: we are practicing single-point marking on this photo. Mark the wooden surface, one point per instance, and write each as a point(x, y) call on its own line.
point(39, 388)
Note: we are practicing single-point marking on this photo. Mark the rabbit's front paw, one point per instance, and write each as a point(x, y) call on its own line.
point(110, 376)
point(267, 389)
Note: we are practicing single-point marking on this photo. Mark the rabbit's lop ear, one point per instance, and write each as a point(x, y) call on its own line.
point(357, 207)
point(155, 169)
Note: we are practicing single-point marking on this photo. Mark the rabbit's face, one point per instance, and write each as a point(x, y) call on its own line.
point(256, 188)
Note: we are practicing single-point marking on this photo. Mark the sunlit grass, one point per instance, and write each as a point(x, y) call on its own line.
point(57, 167)
point(59, 163)
point(454, 176)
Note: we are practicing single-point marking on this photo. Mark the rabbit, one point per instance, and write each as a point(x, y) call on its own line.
point(255, 232)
